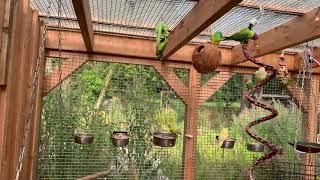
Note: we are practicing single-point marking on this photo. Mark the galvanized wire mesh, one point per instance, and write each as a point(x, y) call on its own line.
point(138, 18)
point(133, 97)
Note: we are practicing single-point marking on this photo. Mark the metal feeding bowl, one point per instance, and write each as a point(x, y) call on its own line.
point(229, 143)
point(120, 138)
point(164, 139)
point(306, 147)
point(255, 147)
point(83, 138)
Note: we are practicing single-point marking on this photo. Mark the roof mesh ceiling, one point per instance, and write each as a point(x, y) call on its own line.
point(139, 17)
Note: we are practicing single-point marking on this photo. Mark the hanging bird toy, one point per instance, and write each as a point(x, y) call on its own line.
point(162, 32)
point(261, 79)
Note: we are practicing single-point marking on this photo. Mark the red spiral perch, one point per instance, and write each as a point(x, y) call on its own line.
point(251, 98)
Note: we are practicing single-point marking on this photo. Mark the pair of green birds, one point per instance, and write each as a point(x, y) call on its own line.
point(242, 36)
point(162, 33)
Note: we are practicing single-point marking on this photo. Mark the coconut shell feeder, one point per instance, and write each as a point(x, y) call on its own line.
point(83, 138)
point(164, 139)
point(120, 138)
point(206, 58)
point(255, 147)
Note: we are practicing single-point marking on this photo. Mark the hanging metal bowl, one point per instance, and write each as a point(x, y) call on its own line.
point(83, 138)
point(120, 138)
point(255, 147)
point(306, 147)
point(164, 139)
point(228, 143)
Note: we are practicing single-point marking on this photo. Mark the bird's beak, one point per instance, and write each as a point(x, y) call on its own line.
point(255, 36)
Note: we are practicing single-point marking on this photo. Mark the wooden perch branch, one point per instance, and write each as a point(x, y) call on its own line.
point(104, 88)
point(96, 175)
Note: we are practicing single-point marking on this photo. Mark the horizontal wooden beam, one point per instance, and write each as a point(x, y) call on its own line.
point(203, 14)
point(82, 10)
point(294, 32)
point(144, 49)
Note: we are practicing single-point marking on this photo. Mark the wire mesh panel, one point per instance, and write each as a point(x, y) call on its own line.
point(228, 108)
point(100, 98)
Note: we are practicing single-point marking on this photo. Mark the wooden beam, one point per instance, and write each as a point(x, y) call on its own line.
point(145, 49)
point(4, 35)
point(173, 81)
point(73, 60)
point(294, 32)
point(190, 127)
point(67, 68)
point(82, 10)
point(34, 135)
point(203, 14)
point(213, 85)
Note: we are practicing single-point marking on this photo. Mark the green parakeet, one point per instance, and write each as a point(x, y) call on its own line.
point(223, 135)
point(162, 32)
point(250, 84)
point(173, 129)
point(216, 38)
point(261, 74)
point(242, 36)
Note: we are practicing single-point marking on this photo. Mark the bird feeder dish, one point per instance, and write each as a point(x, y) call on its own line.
point(306, 147)
point(229, 143)
point(164, 139)
point(120, 138)
point(206, 58)
point(83, 138)
point(255, 147)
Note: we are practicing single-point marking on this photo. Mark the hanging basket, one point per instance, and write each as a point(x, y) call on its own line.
point(206, 58)
point(306, 147)
point(255, 147)
point(120, 138)
point(83, 138)
point(164, 139)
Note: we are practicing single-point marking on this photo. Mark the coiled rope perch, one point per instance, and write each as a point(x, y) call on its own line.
point(251, 98)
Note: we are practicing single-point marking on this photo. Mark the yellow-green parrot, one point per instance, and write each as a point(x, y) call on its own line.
point(242, 36)
point(162, 32)
point(260, 75)
point(223, 135)
point(173, 129)
point(250, 84)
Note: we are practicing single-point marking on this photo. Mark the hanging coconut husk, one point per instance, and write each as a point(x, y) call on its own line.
point(206, 58)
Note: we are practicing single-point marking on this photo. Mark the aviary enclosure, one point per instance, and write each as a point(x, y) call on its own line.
point(159, 89)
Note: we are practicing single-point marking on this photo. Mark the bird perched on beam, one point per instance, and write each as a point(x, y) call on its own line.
point(242, 36)
point(162, 32)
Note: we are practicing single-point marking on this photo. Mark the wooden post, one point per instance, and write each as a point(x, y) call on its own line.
point(190, 127)
point(309, 123)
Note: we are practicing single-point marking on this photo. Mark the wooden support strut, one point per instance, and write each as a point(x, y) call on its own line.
point(173, 81)
point(67, 68)
point(213, 85)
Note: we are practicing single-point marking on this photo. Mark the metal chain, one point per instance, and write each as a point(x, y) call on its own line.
point(302, 77)
point(33, 93)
